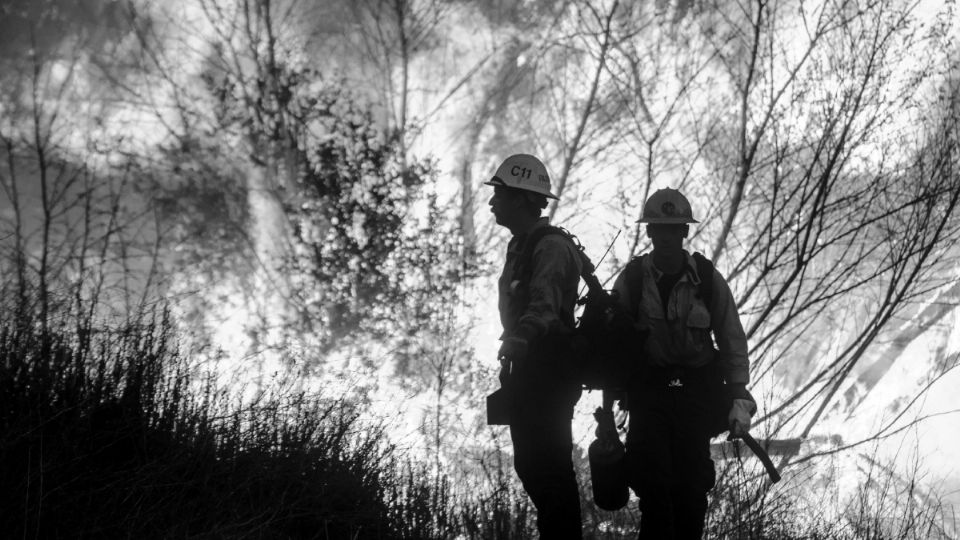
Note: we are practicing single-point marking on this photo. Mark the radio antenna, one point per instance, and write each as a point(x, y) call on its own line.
point(604, 256)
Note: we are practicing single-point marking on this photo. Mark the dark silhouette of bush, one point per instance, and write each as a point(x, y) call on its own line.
point(111, 435)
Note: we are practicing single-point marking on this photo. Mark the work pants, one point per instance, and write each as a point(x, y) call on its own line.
point(668, 456)
point(543, 447)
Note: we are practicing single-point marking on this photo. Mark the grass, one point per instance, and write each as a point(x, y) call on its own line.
point(113, 437)
point(112, 434)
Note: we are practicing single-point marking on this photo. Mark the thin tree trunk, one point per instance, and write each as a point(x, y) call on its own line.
point(585, 117)
point(746, 159)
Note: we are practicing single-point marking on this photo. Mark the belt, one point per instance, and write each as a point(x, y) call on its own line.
point(678, 376)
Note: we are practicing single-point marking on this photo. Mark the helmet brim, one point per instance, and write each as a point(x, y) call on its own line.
point(497, 182)
point(667, 221)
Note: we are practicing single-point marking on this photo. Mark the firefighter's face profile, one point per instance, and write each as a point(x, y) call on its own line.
point(506, 204)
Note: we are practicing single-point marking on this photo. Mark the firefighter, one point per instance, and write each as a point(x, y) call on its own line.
point(683, 379)
point(537, 310)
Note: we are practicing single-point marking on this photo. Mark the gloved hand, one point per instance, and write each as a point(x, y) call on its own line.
point(514, 349)
point(739, 417)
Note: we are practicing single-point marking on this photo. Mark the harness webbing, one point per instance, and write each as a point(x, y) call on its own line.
point(635, 280)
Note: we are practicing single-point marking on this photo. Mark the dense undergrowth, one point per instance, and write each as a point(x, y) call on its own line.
point(114, 435)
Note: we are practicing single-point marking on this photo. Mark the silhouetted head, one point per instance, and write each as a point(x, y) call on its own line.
point(667, 214)
point(521, 187)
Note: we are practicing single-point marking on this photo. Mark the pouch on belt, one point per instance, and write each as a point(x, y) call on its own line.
point(498, 408)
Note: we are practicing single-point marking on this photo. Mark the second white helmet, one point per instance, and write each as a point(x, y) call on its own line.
point(667, 206)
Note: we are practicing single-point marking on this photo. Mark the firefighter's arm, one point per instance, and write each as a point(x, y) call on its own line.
point(623, 292)
point(624, 297)
point(728, 331)
point(628, 305)
point(732, 344)
point(556, 266)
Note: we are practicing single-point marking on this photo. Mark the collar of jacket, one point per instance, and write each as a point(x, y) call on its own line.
point(516, 243)
point(689, 263)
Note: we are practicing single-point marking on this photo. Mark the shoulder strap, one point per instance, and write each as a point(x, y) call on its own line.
point(634, 278)
point(705, 271)
point(523, 268)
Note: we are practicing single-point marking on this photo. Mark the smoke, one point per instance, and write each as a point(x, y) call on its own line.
point(42, 27)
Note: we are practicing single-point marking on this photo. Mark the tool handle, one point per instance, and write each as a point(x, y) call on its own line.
point(762, 455)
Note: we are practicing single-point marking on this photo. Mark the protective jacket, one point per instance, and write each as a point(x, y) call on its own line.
point(545, 304)
point(680, 335)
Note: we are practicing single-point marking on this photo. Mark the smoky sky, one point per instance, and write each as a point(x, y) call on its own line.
point(45, 25)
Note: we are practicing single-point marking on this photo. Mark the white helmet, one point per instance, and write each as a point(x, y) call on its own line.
point(523, 171)
point(667, 206)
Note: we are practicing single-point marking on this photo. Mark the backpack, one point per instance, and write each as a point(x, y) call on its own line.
point(603, 343)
